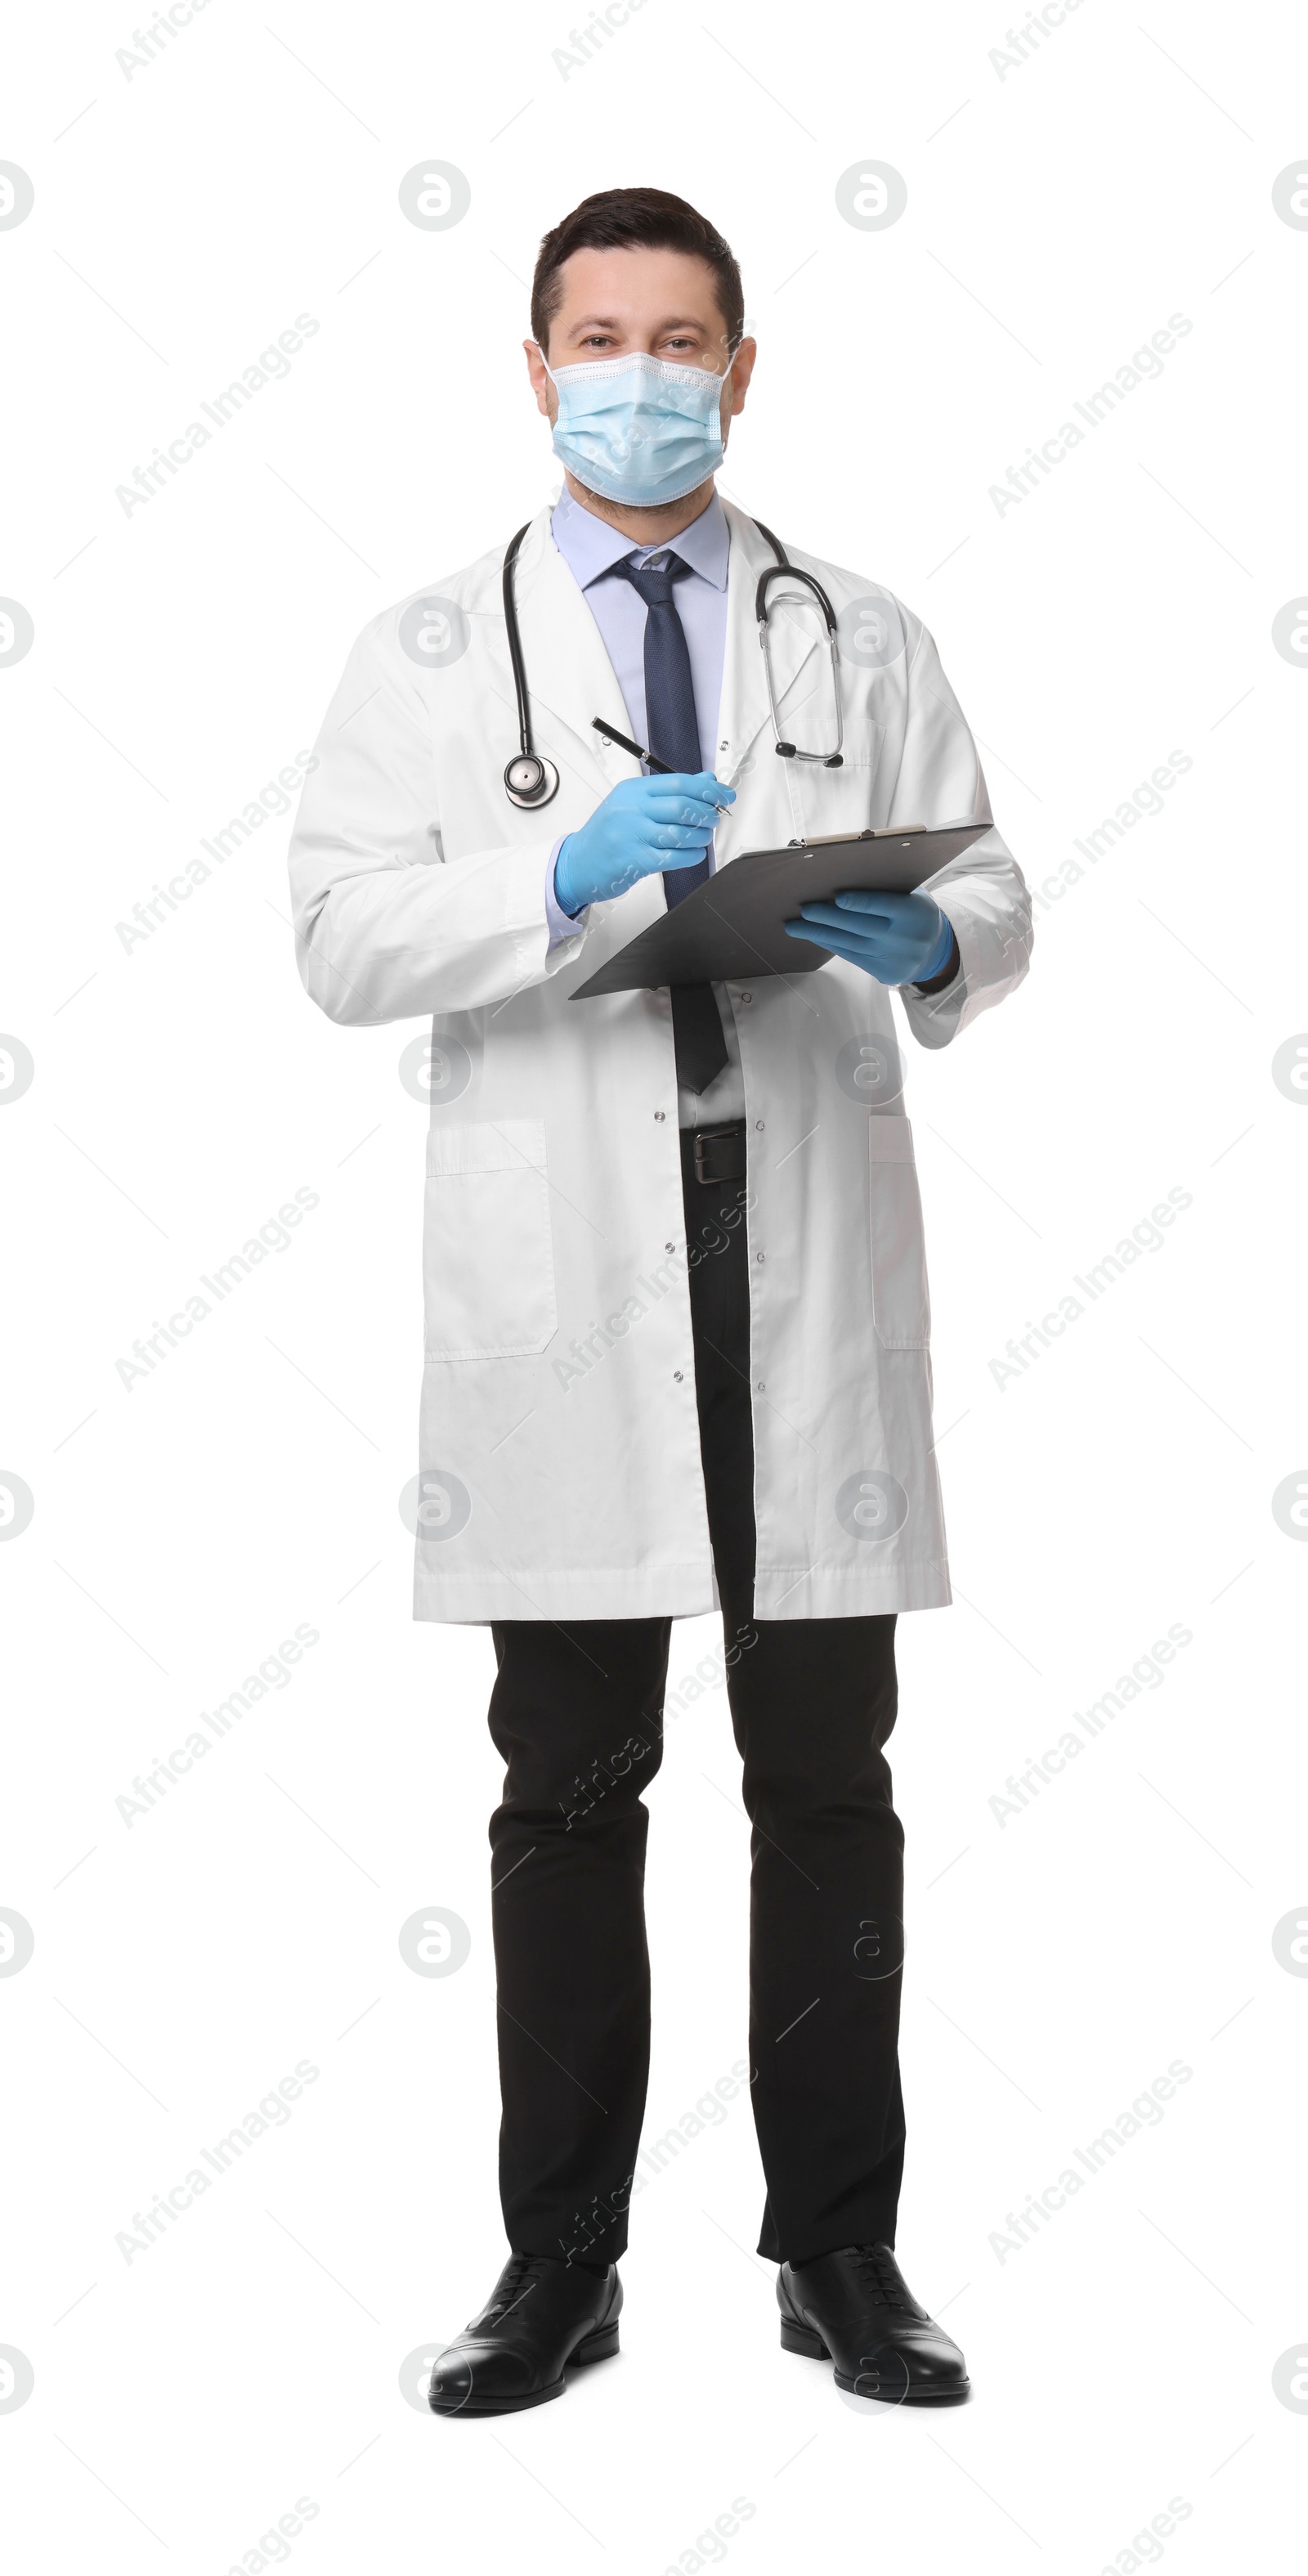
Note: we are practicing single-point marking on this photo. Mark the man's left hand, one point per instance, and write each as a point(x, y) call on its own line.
point(899, 938)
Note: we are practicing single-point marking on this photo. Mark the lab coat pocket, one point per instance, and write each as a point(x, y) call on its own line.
point(488, 1254)
point(901, 1306)
point(834, 800)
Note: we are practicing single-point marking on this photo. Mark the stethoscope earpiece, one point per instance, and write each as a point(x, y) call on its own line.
point(530, 781)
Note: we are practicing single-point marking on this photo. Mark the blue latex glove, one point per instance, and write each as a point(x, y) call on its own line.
point(641, 827)
point(899, 938)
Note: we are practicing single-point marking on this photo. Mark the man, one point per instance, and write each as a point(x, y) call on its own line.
point(676, 1305)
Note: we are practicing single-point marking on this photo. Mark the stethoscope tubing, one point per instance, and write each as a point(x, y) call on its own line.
point(537, 780)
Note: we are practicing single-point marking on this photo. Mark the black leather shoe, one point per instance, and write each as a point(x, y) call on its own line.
point(856, 2309)
point(540, 2317)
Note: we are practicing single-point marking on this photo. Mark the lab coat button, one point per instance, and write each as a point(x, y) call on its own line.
point(677, 1375)
point(658, 1113)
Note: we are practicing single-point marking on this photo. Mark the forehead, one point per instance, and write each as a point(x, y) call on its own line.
point(608, 285)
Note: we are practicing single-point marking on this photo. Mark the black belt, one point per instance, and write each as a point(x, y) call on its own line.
point(720, 1153)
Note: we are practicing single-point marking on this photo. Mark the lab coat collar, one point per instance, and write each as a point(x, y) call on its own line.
point(569, 673)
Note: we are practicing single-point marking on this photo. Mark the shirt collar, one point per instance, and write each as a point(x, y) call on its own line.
point(591, 547)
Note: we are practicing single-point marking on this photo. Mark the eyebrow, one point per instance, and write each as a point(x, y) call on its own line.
point(613, 322)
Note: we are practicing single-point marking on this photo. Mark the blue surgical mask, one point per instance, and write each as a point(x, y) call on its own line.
point(638, 429)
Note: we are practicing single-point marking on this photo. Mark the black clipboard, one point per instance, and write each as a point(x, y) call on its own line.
point(732, 926)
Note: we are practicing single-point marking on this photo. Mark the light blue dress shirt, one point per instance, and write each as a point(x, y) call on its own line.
point(590, 547)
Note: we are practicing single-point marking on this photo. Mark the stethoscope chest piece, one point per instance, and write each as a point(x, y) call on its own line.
point(529, 781)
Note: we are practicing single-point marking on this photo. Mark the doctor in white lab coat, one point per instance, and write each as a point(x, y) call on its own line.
point(566, 1463)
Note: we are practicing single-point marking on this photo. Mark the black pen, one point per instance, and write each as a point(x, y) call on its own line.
point(663, 768)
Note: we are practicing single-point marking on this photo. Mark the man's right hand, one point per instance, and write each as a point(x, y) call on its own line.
point(641, 828)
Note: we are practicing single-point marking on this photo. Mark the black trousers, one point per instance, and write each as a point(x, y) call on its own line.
point(576, 1712)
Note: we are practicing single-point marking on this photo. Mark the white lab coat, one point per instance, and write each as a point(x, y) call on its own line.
point(559, 1445)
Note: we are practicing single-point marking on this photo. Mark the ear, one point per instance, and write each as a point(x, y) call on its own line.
point(742, 368)
point(538, 372)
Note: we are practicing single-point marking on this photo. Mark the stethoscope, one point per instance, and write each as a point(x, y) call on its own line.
point(530, 781)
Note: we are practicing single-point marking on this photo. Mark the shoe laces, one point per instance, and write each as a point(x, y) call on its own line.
point(878, 2270)
point(519, 2277)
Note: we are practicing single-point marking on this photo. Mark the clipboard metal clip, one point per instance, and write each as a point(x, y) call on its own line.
point(870, 832)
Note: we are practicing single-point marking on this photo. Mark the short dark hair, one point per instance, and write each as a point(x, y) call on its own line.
point(635, 219)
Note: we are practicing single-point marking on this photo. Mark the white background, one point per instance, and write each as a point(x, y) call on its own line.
point(1060, 209)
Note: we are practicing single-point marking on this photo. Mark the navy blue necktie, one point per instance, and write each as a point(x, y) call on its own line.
point(672, 732)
